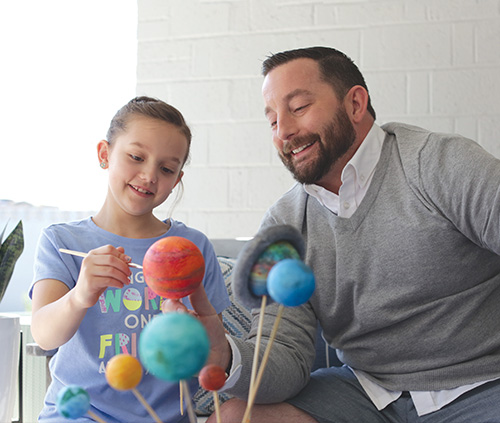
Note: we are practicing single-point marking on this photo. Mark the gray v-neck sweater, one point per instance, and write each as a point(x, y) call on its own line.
point(408, 288)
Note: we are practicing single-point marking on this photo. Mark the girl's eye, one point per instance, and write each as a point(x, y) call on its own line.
point(167, 170)
point(136, 158)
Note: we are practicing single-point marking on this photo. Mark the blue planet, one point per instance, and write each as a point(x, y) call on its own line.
point(72, 401)
point(266, 260)
point(290, 282)
point(174, 346)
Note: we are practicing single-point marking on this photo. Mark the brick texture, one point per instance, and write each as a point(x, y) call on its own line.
point(426, 62)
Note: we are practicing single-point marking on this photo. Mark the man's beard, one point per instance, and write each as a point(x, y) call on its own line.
point(339, 136)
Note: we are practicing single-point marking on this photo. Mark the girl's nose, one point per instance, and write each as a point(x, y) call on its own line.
point(149, 174)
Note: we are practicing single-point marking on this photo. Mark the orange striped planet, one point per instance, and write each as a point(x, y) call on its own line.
point(173, 267)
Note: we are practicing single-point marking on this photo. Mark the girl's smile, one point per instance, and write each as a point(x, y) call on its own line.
point(141, 191)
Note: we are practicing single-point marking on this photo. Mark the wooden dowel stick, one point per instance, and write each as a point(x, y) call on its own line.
point(146, 405)
point(257, 343)
point(217, 406)
point(181, 398)
point(189, 404)
point(80, 254)
point(95, 417)
point(265, 358)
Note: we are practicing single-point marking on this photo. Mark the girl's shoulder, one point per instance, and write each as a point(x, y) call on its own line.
point(178, 228)
point(74, 228)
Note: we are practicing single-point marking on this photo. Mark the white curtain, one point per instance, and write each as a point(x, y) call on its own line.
point(10, 329)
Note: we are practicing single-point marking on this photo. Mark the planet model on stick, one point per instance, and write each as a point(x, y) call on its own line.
point(258, 256)
point(174, 346)
point(291, 282)
point(266, 260)
point(123, 372)
point(212, 377)
point(271, 247)
point(72, 401)
point(173, 267)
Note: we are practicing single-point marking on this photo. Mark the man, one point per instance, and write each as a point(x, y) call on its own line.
point(402, 231)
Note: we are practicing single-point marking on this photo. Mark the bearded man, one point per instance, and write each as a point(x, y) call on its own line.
point(402, 230)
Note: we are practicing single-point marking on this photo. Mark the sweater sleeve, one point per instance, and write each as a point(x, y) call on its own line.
point(462, 181)
point(293, 351)
point(291, 358)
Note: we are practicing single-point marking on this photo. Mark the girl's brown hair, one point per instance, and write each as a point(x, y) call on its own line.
point(152, 108)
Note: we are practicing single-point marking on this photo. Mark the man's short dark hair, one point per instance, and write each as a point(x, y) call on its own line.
point(336, 68)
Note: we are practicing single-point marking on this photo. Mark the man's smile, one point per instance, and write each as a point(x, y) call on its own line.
point(301, 148)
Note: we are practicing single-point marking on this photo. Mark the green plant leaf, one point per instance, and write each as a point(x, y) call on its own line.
point(3, 232)
point(10, 251)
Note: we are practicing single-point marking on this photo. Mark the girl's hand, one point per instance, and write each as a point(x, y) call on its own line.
point(103, 267)
point(220, 351)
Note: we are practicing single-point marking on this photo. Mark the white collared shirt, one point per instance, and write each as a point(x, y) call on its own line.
point(356, 178)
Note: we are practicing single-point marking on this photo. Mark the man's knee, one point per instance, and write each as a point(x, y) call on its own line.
point(232, 411)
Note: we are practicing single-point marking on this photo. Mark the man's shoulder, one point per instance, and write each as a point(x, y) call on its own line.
point(413, 139)
point(288, 209)
point(295, 193)
point(404, 131)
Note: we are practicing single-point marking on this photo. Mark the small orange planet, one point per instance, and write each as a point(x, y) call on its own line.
point(123, 372)
point(212, 377)
point(173, 267)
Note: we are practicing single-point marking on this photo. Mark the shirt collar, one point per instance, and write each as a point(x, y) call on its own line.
point(367, 155)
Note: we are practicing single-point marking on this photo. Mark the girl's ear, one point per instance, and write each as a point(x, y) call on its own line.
point(181, 174)
point(103, 152)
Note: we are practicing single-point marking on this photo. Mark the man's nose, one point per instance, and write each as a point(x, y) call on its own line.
point(286, 127)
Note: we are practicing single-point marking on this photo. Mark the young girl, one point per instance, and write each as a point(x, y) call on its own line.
point(95, 308)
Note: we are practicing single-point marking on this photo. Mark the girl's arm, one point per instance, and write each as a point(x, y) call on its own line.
point(58, 311)
point(55, 318)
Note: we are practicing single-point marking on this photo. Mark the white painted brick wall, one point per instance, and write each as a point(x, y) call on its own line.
point(434, 63)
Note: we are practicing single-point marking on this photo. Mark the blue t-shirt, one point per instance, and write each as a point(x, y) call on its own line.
point(113, 325)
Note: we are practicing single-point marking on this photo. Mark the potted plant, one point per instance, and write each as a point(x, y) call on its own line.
point(10, 250)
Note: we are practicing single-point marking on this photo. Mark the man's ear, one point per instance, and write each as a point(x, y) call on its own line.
point(103, 151)
point(356, 103)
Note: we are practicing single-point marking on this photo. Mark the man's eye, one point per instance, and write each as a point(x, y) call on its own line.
point(298, 109)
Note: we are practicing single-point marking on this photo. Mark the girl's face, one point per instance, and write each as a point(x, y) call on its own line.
point(145, 163)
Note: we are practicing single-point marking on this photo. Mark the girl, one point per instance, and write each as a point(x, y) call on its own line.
point(95, 308)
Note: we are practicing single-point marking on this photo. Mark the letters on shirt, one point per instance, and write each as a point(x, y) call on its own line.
point(139, 304)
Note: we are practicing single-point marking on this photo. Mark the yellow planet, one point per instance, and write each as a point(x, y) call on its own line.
point(123, 372)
